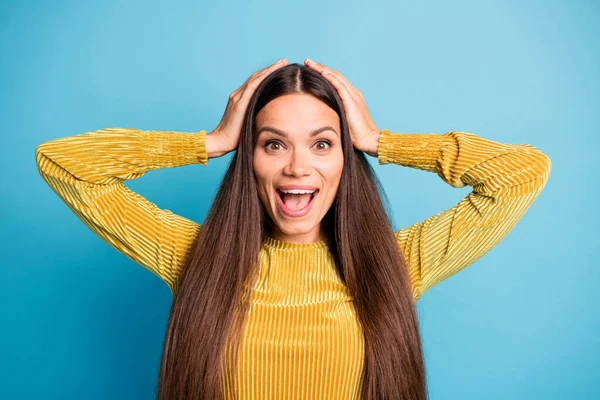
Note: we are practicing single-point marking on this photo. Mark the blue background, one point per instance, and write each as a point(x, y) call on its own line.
point(80, 320)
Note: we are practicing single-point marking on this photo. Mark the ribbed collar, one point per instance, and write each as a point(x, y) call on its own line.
point(279, 244)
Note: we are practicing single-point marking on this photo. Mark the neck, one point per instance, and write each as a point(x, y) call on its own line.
point(301, 238)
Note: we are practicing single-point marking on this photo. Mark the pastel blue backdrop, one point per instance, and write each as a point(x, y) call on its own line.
point(80, 320)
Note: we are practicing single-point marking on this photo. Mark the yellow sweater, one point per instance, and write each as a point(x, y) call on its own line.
point(302, 338)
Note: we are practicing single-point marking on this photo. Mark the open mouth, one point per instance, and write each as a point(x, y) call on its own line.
point(296, 205)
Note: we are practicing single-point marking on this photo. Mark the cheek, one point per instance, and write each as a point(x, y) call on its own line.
point(260, 183)
point(332, 167)
point(262, 194)
point(258, 165)
point(261, 175)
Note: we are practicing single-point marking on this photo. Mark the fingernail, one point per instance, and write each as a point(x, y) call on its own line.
point(309, 60)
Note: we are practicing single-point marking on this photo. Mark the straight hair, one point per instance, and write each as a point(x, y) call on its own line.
point(212, 293)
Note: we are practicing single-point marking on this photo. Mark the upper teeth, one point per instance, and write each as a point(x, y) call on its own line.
point(297, 191)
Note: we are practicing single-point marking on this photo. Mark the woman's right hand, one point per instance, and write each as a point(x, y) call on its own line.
point(225, 137)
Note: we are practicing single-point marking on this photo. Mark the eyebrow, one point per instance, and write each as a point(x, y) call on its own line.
point(285, 135)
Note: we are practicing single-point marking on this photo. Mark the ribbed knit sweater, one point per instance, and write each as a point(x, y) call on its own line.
point(302, 338)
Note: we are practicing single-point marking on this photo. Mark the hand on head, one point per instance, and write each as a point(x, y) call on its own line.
point(228, 131)
point(363, 130)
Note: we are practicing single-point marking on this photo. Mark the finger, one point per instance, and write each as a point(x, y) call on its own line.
point(272, 67)
point(315, 65)
point(345, 94)
point(262, 71)
point(348, 88)
point(330, 73)
point(256, 77)
point(351, 89)
point(251, 84)
point(323, 69)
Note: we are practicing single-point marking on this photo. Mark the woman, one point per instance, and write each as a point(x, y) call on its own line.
point(291, 291)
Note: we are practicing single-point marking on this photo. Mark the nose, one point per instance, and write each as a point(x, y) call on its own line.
point(298, 164)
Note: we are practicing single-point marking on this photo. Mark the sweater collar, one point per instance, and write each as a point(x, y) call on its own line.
point(280, 244)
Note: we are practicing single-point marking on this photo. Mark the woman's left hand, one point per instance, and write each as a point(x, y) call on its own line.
point(363, 131)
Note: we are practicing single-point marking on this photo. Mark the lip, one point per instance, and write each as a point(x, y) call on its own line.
point(301, 187)
point(301, 212)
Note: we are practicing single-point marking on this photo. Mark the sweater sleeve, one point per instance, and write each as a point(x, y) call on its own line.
point(87, 171)
point(506, 179)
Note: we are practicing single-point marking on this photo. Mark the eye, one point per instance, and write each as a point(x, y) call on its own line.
point(326, 142)
point(274, 142)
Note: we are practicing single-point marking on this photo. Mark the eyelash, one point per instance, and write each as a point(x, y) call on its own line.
point(278, 142)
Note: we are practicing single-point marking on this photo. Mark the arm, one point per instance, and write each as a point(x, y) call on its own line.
point(506, 179)
point(87, 172)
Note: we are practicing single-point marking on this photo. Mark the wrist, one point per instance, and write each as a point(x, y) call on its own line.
point(214, 146)
point(372, 147)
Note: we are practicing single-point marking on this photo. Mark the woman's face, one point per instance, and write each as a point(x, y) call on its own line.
point(299, 143)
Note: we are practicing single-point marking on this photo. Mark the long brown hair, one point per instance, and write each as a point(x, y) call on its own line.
point(211, 296)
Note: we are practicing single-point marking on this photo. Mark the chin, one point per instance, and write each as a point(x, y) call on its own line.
point(296, 228)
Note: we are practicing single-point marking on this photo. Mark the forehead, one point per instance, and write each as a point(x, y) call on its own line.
point(297, 113)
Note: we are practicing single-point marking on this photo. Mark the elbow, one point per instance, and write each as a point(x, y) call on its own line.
point(42, 160)
point(39, 153)
point(546, 164)
point(42, 150)
point(543, 164)
point(540, 163)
